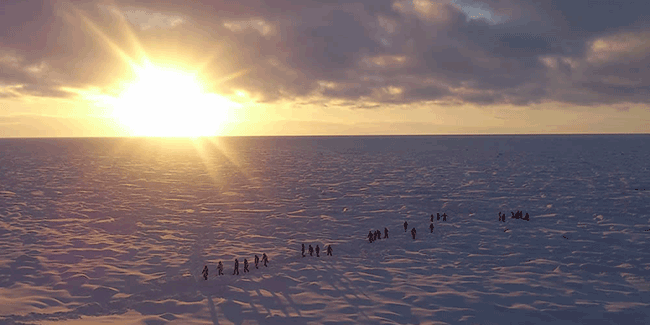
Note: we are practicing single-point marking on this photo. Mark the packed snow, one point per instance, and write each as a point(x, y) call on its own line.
point(100, 231)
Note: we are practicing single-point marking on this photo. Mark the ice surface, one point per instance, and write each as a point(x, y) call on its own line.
point(97, 231)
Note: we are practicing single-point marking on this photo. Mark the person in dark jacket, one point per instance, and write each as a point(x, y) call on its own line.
point(205, 272)
point(220, 268)
point(311, 250)
point(438, 214)
point(236, 270)
point(444, 217)
point(257, 259)
point(431, 227)
point(265, 259)
point(246, 266)
point(431, 217)
point(370, 236)
point(329, 250)
point(413, 233)
point(385, 232)
point(406, 224)
point(303, 250)
point(317, 251)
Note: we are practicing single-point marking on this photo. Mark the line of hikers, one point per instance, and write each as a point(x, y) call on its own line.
point(265, 260)
point(431, 227)
point(311, 250)
point(374, 235)
point(515, 215)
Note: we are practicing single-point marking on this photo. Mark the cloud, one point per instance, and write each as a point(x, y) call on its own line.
point(146, 19)
point(366, 52)
point(625, 47)
point(259, 25)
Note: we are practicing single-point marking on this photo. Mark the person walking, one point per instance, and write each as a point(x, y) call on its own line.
point(236, 270)
point(431, 227)
point(385, 232)
point(406, 224)
point(370, 236)
point(317, 251)
point(265, 259)
point(303, 250)
point(246, 266)
point(413, 233)
point(431, 217)
point(311, 250)
point(444, 217)
point(329, 250)
point(205, 272)
point(257, 259)
point(438, 214)
point(220, 268)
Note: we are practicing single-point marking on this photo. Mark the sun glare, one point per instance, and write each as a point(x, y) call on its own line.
point(164, 102)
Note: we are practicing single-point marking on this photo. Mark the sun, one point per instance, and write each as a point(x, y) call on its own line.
point(163, 102)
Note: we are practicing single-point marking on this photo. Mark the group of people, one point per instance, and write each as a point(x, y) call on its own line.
point(515, 215)
point(311, 250)
point(375, 235)
point(265, 260)
point(413, 231)
point(444, 216)
point(372, 236)
point(431, 227)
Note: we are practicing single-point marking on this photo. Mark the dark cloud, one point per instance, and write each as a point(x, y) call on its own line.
point(29, 25)
point(611, 93)
point(596, 16)
point(426, 93)
point(379, 51)
point(482, 99)
point(334, 46)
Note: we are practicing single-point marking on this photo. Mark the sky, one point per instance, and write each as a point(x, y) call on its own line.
point(323, 67)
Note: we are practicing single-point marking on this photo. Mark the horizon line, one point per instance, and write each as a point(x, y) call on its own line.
point(321, 136)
